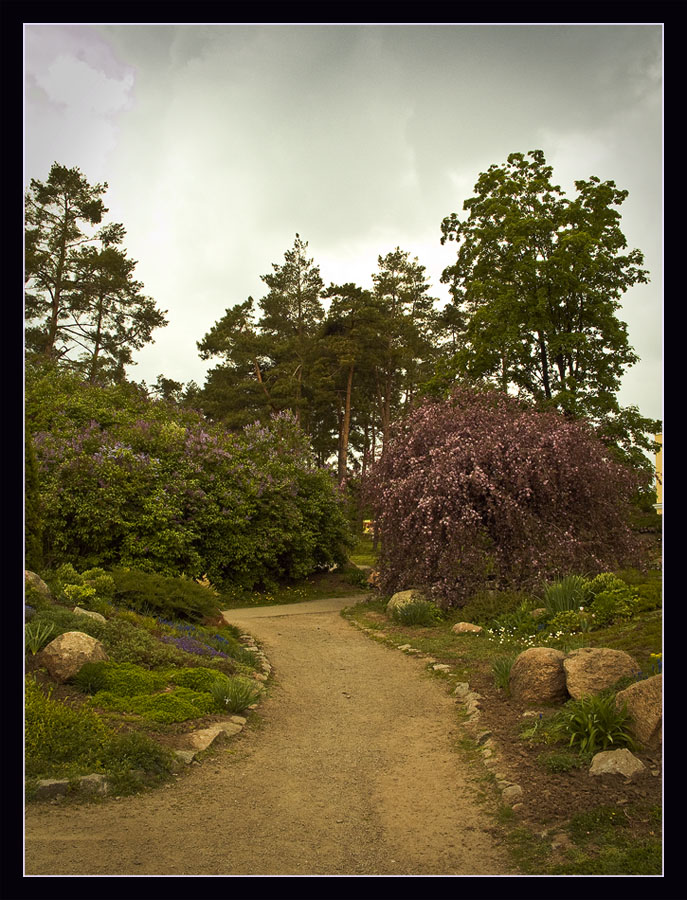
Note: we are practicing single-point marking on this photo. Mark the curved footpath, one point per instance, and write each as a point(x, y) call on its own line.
point(352, 773)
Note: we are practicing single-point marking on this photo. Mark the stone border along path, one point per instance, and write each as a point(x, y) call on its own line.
point(511, 793)
point(353, 768)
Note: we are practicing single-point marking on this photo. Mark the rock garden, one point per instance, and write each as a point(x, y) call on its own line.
point(117, 699)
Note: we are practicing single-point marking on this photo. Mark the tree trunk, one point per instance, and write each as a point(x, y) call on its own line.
point(345, 428)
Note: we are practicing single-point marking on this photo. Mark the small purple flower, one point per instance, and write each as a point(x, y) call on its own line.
point(190, 645)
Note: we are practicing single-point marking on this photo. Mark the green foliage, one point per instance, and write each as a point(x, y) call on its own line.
point(33, 519)
point(605, 581)
point(417, 612)
point(170, 597)
point(523, 240)
point(485, 606)
point(57, 734)
point(198, 679)
point(611, 606)
point(177, 705)
point(594, 723)
point(34, 598)
point(565, 594)
point(79, 594)
point(125, 642)
point(64, 620)
point(236, 695)
point(517, 626)
point(132, 483)
point(569, 622)
point(133, 760)
point(37, 635)
point(81, 296)
point(91, 589)
point(501, 671)
point(121, 679)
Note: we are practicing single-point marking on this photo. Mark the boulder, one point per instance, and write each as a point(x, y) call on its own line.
point(88, 612)
point(643, 701)
point(402, 598)
point(466, 628)
point(65, 656)
point(617, 762)
point(33, 580)
point(537, 676)
point(591, 670)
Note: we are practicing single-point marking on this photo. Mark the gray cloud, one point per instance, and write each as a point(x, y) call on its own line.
point(220, 142)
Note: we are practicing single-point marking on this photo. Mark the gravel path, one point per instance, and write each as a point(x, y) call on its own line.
point(353, 773)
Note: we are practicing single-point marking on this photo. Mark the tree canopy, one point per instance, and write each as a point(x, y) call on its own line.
point(83, 306)
point(537, 286)
point(482, 490)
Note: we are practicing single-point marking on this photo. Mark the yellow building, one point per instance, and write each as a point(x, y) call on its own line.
point(658, 506)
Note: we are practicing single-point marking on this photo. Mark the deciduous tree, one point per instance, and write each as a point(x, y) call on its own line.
point(483, 489)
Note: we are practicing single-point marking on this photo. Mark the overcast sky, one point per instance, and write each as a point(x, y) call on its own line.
point(220, 142)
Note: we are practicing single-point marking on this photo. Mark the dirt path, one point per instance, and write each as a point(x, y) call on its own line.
point(352, 774)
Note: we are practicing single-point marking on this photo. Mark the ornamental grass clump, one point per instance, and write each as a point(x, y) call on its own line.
point(236, 695)
point(37, 635)
point(481, 490)
point(417, 612)
point(501, 671)
point(596, 723)
point(565, 595)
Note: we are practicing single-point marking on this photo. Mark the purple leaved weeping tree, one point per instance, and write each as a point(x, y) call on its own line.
point(481, 490)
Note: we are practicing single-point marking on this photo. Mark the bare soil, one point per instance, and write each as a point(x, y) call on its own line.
point(353, 769)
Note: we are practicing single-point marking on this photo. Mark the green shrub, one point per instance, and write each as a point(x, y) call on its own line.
point(237, 695)
point(79, 594)
point(177, 705)
point(127, 643)
point(569, 622)
point(122, 679)
point(176, 598)
point(594, 723)
point(37, 635)
point(57, 735)
point(565, 594)
point(614, 605)
point(417, 612)
point(33, 597)
point(649, 596)
point(64, 619)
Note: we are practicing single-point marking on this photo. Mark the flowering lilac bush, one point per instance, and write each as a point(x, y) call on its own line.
point(136, 483)
point(480, 489)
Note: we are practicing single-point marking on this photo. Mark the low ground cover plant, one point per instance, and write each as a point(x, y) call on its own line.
point(60, 738)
